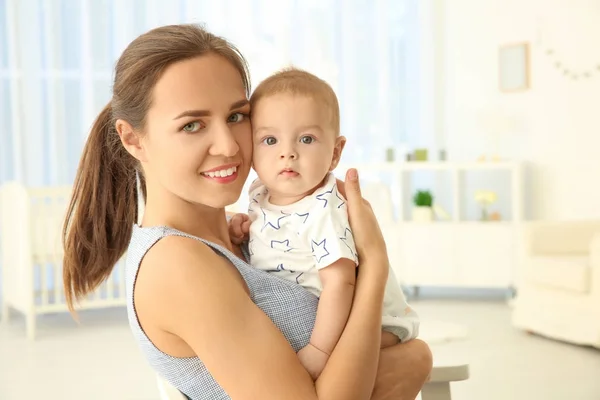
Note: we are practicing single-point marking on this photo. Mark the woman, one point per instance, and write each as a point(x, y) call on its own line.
point(206, 321)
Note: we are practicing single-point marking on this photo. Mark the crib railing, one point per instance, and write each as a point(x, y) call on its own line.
point(31, 221)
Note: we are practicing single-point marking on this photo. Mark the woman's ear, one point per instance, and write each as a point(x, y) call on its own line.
point(340, 142)
point(130, 140)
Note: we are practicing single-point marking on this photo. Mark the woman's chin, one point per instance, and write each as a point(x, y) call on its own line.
point(222, 200)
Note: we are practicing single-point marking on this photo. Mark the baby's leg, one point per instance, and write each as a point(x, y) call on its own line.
point(388, 339)
point(397, 317)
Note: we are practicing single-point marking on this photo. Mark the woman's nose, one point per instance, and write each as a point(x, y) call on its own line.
point(224, 143)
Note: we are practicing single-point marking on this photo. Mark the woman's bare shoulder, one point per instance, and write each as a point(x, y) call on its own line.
point(177, 247)
point(173, 271)
point(178, 263)
point(199, 296)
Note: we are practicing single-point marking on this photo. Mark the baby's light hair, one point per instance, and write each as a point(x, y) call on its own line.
point(296, 81)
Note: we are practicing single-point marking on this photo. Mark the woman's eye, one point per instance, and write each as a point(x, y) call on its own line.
point(270, 141)
point(307, 139)
point(192, 127)
point(237, 117)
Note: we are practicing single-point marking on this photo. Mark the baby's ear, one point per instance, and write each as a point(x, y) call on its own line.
point(340, 142)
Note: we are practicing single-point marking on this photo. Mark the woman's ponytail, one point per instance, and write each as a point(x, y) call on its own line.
point(102, 210)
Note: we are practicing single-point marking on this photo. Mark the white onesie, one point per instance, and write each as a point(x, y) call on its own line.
point(295, 241)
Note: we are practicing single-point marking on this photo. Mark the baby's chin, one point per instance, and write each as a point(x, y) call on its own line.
point(290, 190)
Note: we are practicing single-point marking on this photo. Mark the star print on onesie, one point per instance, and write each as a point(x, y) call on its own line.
point(295, 241)
point(303, 237)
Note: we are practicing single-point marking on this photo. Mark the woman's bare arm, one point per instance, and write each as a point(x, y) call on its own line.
point(205, 304)
point(200, 298)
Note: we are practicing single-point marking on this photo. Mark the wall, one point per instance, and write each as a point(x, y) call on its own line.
point(558, 119)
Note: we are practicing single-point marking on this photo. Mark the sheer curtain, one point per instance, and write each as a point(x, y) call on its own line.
point(56, 60)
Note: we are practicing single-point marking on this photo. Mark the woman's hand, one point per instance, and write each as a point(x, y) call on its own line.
point(368, 238)
point(403, 370)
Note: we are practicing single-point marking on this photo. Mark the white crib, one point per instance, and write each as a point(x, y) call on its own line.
point(31, 221)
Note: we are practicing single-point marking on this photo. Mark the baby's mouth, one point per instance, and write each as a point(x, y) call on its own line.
point(288, 172)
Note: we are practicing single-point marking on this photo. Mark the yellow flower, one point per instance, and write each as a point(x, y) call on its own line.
point(485, 196)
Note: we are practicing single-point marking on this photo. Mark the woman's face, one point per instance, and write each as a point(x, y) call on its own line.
point(198, 139)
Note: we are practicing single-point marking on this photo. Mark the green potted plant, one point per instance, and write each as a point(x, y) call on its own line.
point(423, 206)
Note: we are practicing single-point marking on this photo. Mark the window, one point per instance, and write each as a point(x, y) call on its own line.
point(56, 61)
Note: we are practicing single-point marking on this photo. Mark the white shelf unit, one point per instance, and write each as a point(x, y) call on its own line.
point(454, 253)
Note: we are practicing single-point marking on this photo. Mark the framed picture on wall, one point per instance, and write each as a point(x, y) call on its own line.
point(513, 66)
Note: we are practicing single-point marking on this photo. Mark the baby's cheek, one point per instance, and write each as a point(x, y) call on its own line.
point(259, 159)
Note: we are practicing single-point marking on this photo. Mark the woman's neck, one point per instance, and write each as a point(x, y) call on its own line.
point(201, 221)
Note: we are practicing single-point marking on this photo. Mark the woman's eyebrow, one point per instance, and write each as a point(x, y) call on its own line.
point(193, 113)
point(204, 113)
point(239, 104)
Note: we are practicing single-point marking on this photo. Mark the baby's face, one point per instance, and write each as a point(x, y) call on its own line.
point(295, 145)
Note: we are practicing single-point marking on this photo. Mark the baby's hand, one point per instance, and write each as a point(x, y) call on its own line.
point(239, 228)
point(313, 360)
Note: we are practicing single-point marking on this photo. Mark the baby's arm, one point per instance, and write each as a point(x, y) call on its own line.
point(332, 314)
point(335, 258)
point(334, 304)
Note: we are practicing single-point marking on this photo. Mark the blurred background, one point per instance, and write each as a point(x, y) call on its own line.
point(474, 124)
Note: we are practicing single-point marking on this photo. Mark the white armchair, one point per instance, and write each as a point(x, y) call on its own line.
point(559, 290)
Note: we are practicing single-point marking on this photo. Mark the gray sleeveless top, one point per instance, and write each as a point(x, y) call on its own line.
point(290, 307)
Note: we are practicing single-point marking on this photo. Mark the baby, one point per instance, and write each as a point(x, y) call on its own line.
point(298, 219)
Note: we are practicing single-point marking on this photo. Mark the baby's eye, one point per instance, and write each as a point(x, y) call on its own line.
point(307, 139)
point(192, 127)
point(269, 141)
point(236, 117)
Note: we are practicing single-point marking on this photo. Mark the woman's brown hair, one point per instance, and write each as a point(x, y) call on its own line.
point(104, 207)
